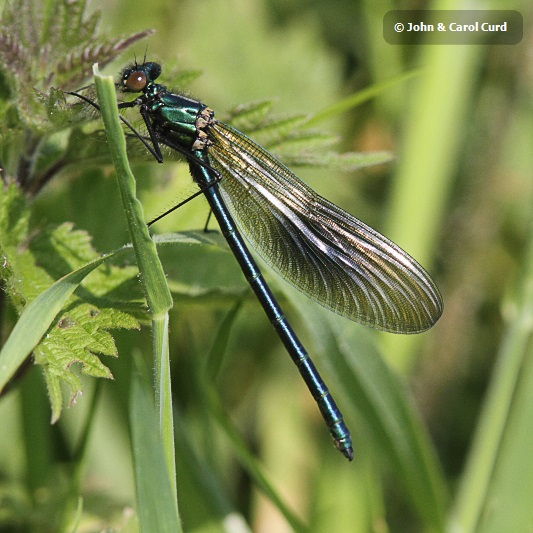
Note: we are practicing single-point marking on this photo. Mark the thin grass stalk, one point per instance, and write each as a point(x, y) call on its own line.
point(151, 271)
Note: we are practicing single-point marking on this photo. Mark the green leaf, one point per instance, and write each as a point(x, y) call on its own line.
point(76, 325)
point(346, 161)
point(274, 130)
point(190, 268)
point(77, 337)
point(246, 117)
point(59, 32)
point(36, 319)
point(309, 140)
point(156, 504)
point(44, 44)
point(289, 140)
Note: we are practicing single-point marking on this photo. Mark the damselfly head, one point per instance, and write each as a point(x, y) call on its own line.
point(136, 77)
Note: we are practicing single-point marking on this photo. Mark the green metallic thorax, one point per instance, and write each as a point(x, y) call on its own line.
point(174, 114)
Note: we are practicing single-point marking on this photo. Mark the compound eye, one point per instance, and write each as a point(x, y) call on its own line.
point(135, 82)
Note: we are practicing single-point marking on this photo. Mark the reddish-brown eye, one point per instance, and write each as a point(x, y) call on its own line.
point(135, 82)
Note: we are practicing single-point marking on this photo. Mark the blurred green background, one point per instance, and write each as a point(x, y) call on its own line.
point(458, 198)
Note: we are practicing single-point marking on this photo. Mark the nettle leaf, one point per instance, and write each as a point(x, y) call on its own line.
point(289, 140)
point(247, 117)
point(333, 160)
point(45, 43)
point(110, 298)
point(45, 48)
point(76, 339)
point(273, 130)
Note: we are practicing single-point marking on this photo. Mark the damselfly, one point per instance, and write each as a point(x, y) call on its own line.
point(329, 255)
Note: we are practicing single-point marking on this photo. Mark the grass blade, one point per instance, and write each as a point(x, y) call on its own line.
point(359, 97)
point(507, 408)
point(156, 505)
point(152, 275)
point(246, 458)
